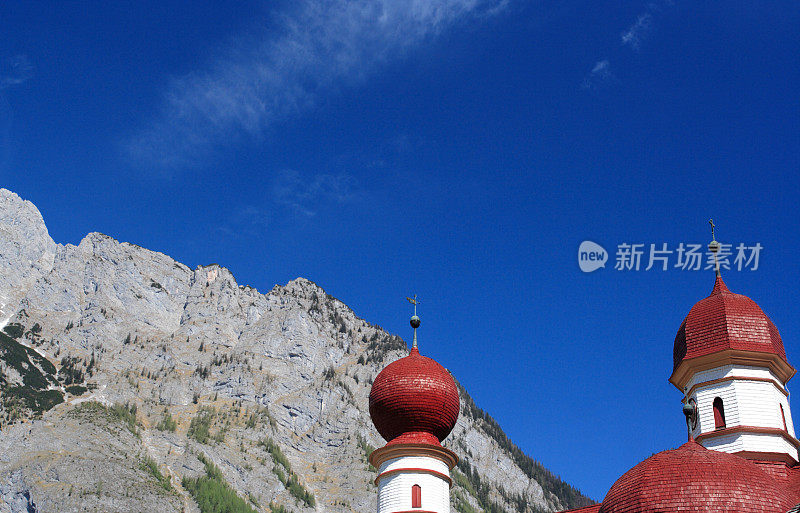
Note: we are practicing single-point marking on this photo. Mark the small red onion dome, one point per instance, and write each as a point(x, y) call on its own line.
point(693, 478)
point(725, 320)
point(414, 400)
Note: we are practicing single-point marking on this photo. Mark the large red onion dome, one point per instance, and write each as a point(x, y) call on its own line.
point(725, 320)
point(693, 478)
point(414, 400)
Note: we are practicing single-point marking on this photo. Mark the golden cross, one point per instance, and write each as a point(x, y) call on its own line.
point(711, 222)
point(414, 302)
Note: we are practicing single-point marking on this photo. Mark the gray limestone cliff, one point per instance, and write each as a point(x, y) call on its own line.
point(130, 382)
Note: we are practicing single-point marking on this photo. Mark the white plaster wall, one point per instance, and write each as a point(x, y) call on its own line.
point(788, 414)
point(758, 404)
point(747, 403)
point(415, 462)
point(705, 409)
point(755, 442)
point(727, 443)
point(750, 403)
point(730, 370)
point(394, 490)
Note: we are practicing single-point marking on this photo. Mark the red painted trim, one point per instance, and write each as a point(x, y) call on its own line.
point(415, 470)
point(749, 429)
point(389, 451)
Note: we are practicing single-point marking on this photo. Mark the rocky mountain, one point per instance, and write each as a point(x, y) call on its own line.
point(130, 382)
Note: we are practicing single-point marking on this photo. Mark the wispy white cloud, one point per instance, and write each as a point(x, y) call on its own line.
point(252, 215)
point(317, 47)
point(15, 71)
point(602, 68)
point(632, 38)
point(305, 196)
point(599, 75)
point(244, 220)
point(638, 31)
point(291, 197)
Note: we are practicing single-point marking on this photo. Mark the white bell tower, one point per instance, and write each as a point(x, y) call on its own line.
point(414, 405)
point(413, 478)
point(731, 366)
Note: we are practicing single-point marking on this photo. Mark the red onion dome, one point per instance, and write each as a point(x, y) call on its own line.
point(693, 478)
point(414, 400)
point(725, 320)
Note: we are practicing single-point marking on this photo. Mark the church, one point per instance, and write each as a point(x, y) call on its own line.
point(730, 365)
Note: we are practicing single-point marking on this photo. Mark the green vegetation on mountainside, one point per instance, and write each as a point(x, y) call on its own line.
point(36, 393)
point(212, 493)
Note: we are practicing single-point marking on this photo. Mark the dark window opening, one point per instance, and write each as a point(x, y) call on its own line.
point(719, 414)
point(416, 496)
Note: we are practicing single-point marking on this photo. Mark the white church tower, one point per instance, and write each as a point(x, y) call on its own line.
point(414, 405)
point(731, 366)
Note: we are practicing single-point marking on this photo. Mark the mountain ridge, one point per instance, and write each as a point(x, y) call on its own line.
point(247, 381)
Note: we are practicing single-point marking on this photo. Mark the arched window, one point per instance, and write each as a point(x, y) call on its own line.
point(719, 414)
point(783, 418)
point(416, 496)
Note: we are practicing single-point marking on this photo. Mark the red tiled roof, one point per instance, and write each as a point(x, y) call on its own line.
point(415, 397)
point(415, 437)
point(725, 320)
point(692, 478)
point(793, 480)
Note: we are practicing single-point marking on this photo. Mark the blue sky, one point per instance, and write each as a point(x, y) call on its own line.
point(459, 149)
